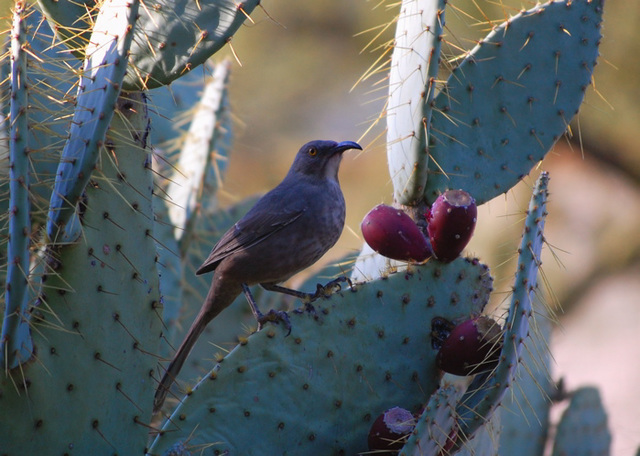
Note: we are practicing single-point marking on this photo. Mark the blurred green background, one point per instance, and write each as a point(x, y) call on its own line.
point(299, 63)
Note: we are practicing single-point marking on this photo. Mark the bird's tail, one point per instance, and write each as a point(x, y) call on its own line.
point(177, 362)
point(213, 305)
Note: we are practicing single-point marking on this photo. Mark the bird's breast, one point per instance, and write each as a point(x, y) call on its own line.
point(298, 245)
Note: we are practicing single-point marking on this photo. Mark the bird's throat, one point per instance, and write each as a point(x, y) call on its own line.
point(331, 168)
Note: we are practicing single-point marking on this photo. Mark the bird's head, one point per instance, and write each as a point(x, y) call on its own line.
point(321, 158)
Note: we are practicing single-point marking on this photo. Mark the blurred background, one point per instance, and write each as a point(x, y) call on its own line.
point(300, 62)
point(296, 76)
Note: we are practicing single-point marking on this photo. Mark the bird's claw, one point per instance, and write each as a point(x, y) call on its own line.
point(275, 316)
point(326, 290)
point(339, 280)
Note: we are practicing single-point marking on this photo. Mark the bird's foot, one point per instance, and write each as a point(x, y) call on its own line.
point(326, 290)
point(274, 316)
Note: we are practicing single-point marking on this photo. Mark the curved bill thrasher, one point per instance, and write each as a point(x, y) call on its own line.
point(287, 230)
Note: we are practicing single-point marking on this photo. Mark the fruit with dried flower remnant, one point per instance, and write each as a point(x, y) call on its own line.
point(389, 431)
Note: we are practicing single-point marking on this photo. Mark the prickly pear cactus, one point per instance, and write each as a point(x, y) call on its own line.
point(436, 429)
point(414, 67)
point(498, 114)
point(330, 373)
point(486, 393)
point(512, 98)
point(170, 37)
point(82, 307)
point(583, 427)
point(14, 326)
point(99, 86)
point(96, 320)
point(98, 297)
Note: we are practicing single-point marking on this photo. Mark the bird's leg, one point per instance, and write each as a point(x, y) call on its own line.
point(274, 316)
point(288, 291)
point(322, 291)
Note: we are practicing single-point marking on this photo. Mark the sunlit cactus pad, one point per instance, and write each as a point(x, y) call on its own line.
point(512, 98)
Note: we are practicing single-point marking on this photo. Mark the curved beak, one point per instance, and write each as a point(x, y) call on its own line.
point(346, 145)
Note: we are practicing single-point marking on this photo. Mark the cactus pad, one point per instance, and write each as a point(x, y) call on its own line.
point(511, 99)
point(97, 319)
point(485, 393)
point(414, 66)
point(359, 354)
point(98, 89)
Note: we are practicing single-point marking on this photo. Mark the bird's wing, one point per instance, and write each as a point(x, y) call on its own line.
point(251, 229)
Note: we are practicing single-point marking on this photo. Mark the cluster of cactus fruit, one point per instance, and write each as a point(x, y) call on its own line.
point(449, 226)
point(100, 250)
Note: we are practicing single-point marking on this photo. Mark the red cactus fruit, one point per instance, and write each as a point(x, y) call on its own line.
point(393, 234)
point(389, 431)
point(452, 219)
point(473, 346)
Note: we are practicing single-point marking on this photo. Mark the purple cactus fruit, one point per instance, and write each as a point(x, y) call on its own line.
point(393, 234)
point(473, 346)
point(389, 431)
point(452, 219)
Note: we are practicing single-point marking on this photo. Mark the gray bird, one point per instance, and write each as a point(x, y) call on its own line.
point(287, 230)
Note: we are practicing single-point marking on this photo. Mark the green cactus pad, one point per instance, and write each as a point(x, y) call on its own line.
point(414, 66)
point(49, 85)
point(170, 267)
point(5, 120)
point(97, 319)
point(169, 109)
point(485, 441)
point(71, 21)
point(15, 341)
point(203, 158)
point(583, 428)
point(98, 89)
point(511, 99)
point(526, 407)
point(318, 390)
point(190, 196)
point(175, 36)
point(486, 391)
point(172, 37)
point(436, 425)
point(222, 334)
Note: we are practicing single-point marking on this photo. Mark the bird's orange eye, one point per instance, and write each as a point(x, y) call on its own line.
point(312, 151)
